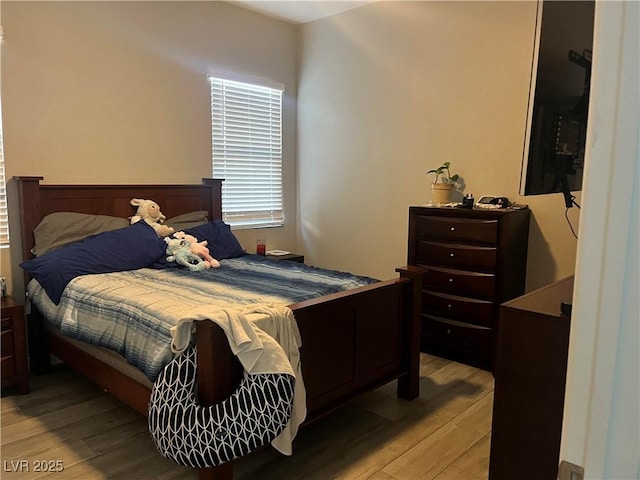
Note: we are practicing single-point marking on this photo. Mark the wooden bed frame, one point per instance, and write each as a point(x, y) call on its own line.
point(374, 331)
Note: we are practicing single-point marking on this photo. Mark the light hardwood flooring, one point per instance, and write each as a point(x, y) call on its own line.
point(442, 435)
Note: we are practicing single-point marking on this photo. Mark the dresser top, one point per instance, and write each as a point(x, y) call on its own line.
point(545, 300)
point(474, 212)
point(9, 302)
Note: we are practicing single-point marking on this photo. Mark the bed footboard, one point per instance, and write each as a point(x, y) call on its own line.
point(358, 340)
point(352, 342)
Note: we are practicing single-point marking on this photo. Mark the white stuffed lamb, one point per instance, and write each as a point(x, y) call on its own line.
point(149, 211)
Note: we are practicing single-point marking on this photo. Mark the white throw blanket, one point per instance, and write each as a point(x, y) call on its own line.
point(266, 339)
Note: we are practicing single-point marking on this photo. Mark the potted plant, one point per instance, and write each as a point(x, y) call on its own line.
point(443, 186)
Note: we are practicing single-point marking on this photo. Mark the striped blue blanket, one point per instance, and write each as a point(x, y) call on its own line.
point(132, 312)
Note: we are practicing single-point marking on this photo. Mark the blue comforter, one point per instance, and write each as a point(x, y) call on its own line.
point(131, 312)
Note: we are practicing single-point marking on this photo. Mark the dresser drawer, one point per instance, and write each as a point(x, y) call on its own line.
point(468, 257)
point(6, 344)
point(456, 335)
point(6, 323)
point(458, 282)
point(449, 229)
point(8, 366)
point(468, 310)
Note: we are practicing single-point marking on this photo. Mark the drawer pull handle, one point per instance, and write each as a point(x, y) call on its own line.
point(449, 306)
point(451, 254)
point(451, 280)
point(453, 229)
point(448, 331)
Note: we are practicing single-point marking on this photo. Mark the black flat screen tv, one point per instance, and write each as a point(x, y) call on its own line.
point(553, 154)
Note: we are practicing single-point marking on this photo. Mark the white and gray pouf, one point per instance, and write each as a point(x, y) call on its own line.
point(197, 436)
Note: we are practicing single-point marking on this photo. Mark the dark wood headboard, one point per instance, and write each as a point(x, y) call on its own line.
point(37, 201)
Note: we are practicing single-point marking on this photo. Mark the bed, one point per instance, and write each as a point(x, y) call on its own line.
point(373, 329)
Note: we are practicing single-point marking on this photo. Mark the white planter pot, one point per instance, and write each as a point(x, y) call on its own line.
point(442, 193)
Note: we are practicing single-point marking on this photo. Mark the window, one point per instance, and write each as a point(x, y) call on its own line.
point(4, 218)
point(247, 152)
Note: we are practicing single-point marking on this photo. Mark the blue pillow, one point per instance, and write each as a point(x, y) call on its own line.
point(129, 248)
point(221, 241)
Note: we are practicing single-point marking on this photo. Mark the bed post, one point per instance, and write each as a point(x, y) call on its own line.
point(409, 384)
point(29, 200)
point(28, 189)
point(219, 373)
point(216, 195)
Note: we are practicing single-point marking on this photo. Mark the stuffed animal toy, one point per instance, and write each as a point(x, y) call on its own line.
point(179, 251)
point(149, 211)
point(198, 248)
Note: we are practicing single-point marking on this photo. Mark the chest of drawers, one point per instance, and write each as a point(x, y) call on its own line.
point(475, 260)
point(13, 361)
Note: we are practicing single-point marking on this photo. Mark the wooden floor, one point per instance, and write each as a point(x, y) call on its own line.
point(443, 435)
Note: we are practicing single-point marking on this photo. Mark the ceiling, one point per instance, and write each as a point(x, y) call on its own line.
point(300, 11)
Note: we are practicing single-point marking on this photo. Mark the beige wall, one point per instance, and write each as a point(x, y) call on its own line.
point(117, 92)
point(393, 89)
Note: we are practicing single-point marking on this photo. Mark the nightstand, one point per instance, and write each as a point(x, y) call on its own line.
point(14, 345)
point(292, 257)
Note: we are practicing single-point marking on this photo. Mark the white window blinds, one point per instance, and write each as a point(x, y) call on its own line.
point(247, 152)
point(4, 218)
